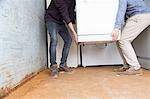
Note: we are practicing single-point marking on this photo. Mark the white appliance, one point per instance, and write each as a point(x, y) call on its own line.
point(95, 19)
point(100, 54)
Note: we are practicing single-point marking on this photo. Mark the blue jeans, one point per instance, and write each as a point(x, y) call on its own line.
point(54, 29)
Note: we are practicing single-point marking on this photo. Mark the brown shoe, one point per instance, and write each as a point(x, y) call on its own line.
point(131, 71)
point(63, 69)
point(54, 71)
point(121, 69)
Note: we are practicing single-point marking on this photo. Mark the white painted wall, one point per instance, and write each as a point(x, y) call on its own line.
point(22, 40)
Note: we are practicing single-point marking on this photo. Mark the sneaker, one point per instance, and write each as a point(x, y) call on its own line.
point(131, 71)
point(63, 69)
point(121, 69)
point(54, 71)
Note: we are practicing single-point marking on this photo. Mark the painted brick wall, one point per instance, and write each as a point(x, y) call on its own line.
point(22, 40)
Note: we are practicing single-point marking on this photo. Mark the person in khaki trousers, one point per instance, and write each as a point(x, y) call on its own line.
point(138, 18)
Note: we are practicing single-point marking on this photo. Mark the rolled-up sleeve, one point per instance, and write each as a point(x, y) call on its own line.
point(120, 18)
point(63, 8)
point(72, 12)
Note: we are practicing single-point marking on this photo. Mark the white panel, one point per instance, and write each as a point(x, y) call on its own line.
point(95, 18)
point(95, 38)
point(99, 54)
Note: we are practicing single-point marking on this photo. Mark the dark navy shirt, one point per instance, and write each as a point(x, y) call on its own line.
point(60, 11)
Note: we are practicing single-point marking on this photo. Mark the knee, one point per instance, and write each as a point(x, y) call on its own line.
point(123, 42)
point(68, 42)
point(53, 41)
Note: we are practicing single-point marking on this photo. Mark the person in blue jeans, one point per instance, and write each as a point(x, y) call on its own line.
point(59, 13)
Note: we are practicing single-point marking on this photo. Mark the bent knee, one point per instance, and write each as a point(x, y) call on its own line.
point(53, 42)
point(68, 42)
point(123, 42)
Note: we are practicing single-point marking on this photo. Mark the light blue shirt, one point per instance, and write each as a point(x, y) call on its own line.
point(128, 8)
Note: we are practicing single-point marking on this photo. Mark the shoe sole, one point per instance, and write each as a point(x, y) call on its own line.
point(62, 72)
point(54, 77)
point(117, 70)
point(138, 74)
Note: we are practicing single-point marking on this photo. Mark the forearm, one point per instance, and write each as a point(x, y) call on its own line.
point(73, 32)
point(71, 27)
point(72, 12)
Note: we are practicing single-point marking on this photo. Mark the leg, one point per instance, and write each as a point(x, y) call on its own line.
point(53, 30)
point(134, 26)
point(121, 54)
point(125, 64)
point(67, 43)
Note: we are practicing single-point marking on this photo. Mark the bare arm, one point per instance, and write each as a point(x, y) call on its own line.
point(73, 34)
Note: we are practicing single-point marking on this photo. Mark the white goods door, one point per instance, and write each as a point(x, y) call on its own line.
point(100, 54)
point(95, 19)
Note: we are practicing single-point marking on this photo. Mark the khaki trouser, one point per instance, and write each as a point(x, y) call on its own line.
point(133, 27)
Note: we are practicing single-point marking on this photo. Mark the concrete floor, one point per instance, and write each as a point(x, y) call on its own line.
point(85, 83)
